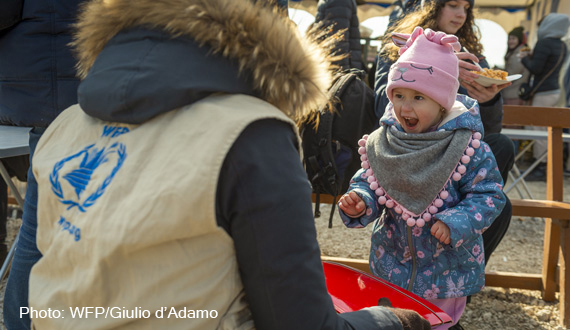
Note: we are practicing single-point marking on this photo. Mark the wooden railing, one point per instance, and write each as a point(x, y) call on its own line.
point(554, 209)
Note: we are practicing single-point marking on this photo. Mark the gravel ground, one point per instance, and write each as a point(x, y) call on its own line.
point(493, 308)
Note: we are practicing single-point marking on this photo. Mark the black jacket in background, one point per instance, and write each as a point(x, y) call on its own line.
point(341, 14)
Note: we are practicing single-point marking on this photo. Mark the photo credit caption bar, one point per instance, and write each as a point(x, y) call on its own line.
point(119, 313)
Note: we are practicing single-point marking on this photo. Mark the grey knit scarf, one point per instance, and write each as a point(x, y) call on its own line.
point(413, 168)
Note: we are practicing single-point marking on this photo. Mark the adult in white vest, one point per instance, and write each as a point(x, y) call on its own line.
point(172, 196)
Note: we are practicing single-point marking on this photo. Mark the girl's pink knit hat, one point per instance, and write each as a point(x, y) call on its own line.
point(427, 64)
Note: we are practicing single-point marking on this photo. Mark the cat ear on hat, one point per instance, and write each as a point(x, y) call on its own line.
point(443, 38)
point(452, 41)
point(405, 41)
point(400, 39)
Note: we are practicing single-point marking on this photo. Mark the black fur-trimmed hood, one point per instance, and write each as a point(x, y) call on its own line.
point(141, 58)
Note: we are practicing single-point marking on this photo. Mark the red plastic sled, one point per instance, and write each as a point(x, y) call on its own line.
point(351, 290)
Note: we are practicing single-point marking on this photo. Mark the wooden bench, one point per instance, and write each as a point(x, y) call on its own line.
point(555, 211)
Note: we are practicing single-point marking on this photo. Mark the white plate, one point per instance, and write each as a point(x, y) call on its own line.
point(486, 81)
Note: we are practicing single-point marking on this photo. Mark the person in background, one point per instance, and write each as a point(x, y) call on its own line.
point(185, 190)
point(427, 182)
point(337, 15)
point(37, 82)
point(545, 55)
point(516, 49)
point(456, 17)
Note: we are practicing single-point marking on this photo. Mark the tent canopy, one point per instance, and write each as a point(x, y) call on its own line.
point(507, 13)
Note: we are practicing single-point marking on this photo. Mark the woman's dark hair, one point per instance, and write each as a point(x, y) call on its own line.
point(426, 17)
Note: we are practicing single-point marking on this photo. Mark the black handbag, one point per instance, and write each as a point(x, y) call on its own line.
point(526, 91)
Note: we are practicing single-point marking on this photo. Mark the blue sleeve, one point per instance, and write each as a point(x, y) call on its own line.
point(263, 201)
point(10, 13)
point(360, 186)
point(482, 198)
point(380, 97)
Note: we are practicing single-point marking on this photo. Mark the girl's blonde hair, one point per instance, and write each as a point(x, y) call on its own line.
point(426, 17)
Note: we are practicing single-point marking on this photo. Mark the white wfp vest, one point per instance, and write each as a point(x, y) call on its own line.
point(126, 220)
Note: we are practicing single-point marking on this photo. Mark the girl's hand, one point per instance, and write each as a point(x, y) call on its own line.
point(441, 231)
point(465, 67)
point(352, 204)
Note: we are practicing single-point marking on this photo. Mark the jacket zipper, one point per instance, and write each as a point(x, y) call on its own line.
point(413, 253)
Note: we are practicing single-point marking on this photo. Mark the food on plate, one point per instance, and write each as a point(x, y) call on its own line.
point(493, 74)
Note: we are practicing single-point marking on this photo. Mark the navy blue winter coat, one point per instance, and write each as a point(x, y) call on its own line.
point(37, 75)
point(341, 14)
point(547, 51)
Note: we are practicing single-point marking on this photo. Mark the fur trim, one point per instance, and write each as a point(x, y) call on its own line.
point(291, 71)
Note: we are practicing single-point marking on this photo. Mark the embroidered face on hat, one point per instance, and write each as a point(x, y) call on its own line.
point(427, 64)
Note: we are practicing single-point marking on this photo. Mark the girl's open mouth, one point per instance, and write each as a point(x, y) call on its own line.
point(411, 122)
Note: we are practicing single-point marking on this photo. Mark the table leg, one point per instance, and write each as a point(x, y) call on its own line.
point(522, 175)
point(20, 200)
point(9, 256)
point(514, 177)
point(11, 185)
point(564, 276)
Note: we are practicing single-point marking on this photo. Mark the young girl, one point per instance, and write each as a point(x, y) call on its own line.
point(457, 17)
point(428, 178)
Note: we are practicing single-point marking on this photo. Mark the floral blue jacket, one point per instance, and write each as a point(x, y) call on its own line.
point(411, 257)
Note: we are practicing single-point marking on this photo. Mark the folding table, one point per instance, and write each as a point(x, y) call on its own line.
point(516, 175)
point(13, 142)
